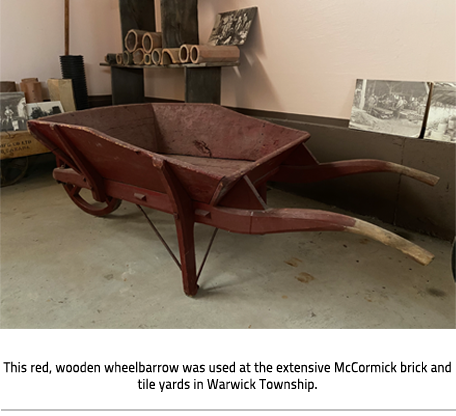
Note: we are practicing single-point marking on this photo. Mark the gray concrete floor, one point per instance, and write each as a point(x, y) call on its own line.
point(62, 268)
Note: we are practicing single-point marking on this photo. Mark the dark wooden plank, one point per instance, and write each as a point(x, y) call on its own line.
point(203, 85)
point(127, 85)
point(136, 14)
point(179, 20)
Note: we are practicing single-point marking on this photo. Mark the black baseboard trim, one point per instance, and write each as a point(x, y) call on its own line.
point(106, 100)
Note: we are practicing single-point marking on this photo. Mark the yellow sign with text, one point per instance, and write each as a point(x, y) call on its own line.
point(19, 144)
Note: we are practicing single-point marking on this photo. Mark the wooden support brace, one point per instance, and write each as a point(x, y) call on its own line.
point(92, 177)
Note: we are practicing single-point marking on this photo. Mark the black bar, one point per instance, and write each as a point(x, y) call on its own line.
point(236, 377)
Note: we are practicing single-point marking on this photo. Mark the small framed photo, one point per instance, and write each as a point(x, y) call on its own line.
point(441, 121)
point(48, 108)
point(13, 111)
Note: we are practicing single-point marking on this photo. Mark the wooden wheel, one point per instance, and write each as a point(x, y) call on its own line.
point(13, 170)
point(99, 209)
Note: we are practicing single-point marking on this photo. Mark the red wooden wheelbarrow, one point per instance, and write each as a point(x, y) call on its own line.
point(202, 163)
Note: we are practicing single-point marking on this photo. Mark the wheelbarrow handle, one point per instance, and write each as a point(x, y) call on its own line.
point(291, 220)
point(420, 255)
point(324, 171)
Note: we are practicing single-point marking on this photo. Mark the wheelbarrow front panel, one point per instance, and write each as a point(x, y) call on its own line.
point(110, 158)
point(134, 124)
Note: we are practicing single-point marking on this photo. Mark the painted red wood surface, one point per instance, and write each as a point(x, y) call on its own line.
point(201, 163)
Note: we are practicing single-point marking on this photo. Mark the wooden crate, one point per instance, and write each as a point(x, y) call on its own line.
point(19, 144)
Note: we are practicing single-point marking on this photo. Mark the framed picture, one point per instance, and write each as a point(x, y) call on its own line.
point(48, 108)
point(13, 111)
point(441, 121)
point(390, 107)
point(232, 28)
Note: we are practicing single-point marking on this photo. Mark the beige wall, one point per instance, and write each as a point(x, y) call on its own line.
point(303, 56)
point(32, 39)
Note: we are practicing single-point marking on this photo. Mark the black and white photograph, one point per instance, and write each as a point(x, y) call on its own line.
point(48, 108)
point(390, 107)
point(232, 28)
point(13, 112)
point(441, 122)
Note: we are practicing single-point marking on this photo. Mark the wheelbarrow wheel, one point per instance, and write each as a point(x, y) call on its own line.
point(99, 209)
point(13, 170)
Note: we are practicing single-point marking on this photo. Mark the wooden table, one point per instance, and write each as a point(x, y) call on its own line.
point(202, 82)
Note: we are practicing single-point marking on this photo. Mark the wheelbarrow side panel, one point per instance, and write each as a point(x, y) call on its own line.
point(208, 130)
point(258, 173)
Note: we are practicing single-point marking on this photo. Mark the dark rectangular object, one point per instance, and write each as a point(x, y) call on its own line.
point(291, 376)
point(127, 85)
point(136, 14)
point(203, 85)
point(179, 21)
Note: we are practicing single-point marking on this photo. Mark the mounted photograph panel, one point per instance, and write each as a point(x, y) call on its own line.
point(48, 108)
point(13, 112)
point(441, 121)
point(390, 107)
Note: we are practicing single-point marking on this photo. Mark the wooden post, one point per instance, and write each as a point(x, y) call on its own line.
point(179, 27)
point(136, 14)
point(179, 21)
point(67, 27)
point(128, 83)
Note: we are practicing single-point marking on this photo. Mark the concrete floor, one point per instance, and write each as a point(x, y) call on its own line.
point(62, 268)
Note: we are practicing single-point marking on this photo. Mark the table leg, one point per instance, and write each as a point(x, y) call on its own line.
point(127, 85)
point(203, 85)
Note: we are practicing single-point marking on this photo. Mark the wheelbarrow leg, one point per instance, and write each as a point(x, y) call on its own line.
point(185, 237)
point(185, 222)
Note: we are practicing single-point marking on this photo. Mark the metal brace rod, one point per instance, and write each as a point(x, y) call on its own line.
point(207, 253)
point(160, 238)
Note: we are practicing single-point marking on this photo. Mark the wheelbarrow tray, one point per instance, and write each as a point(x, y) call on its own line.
point(202, 163)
